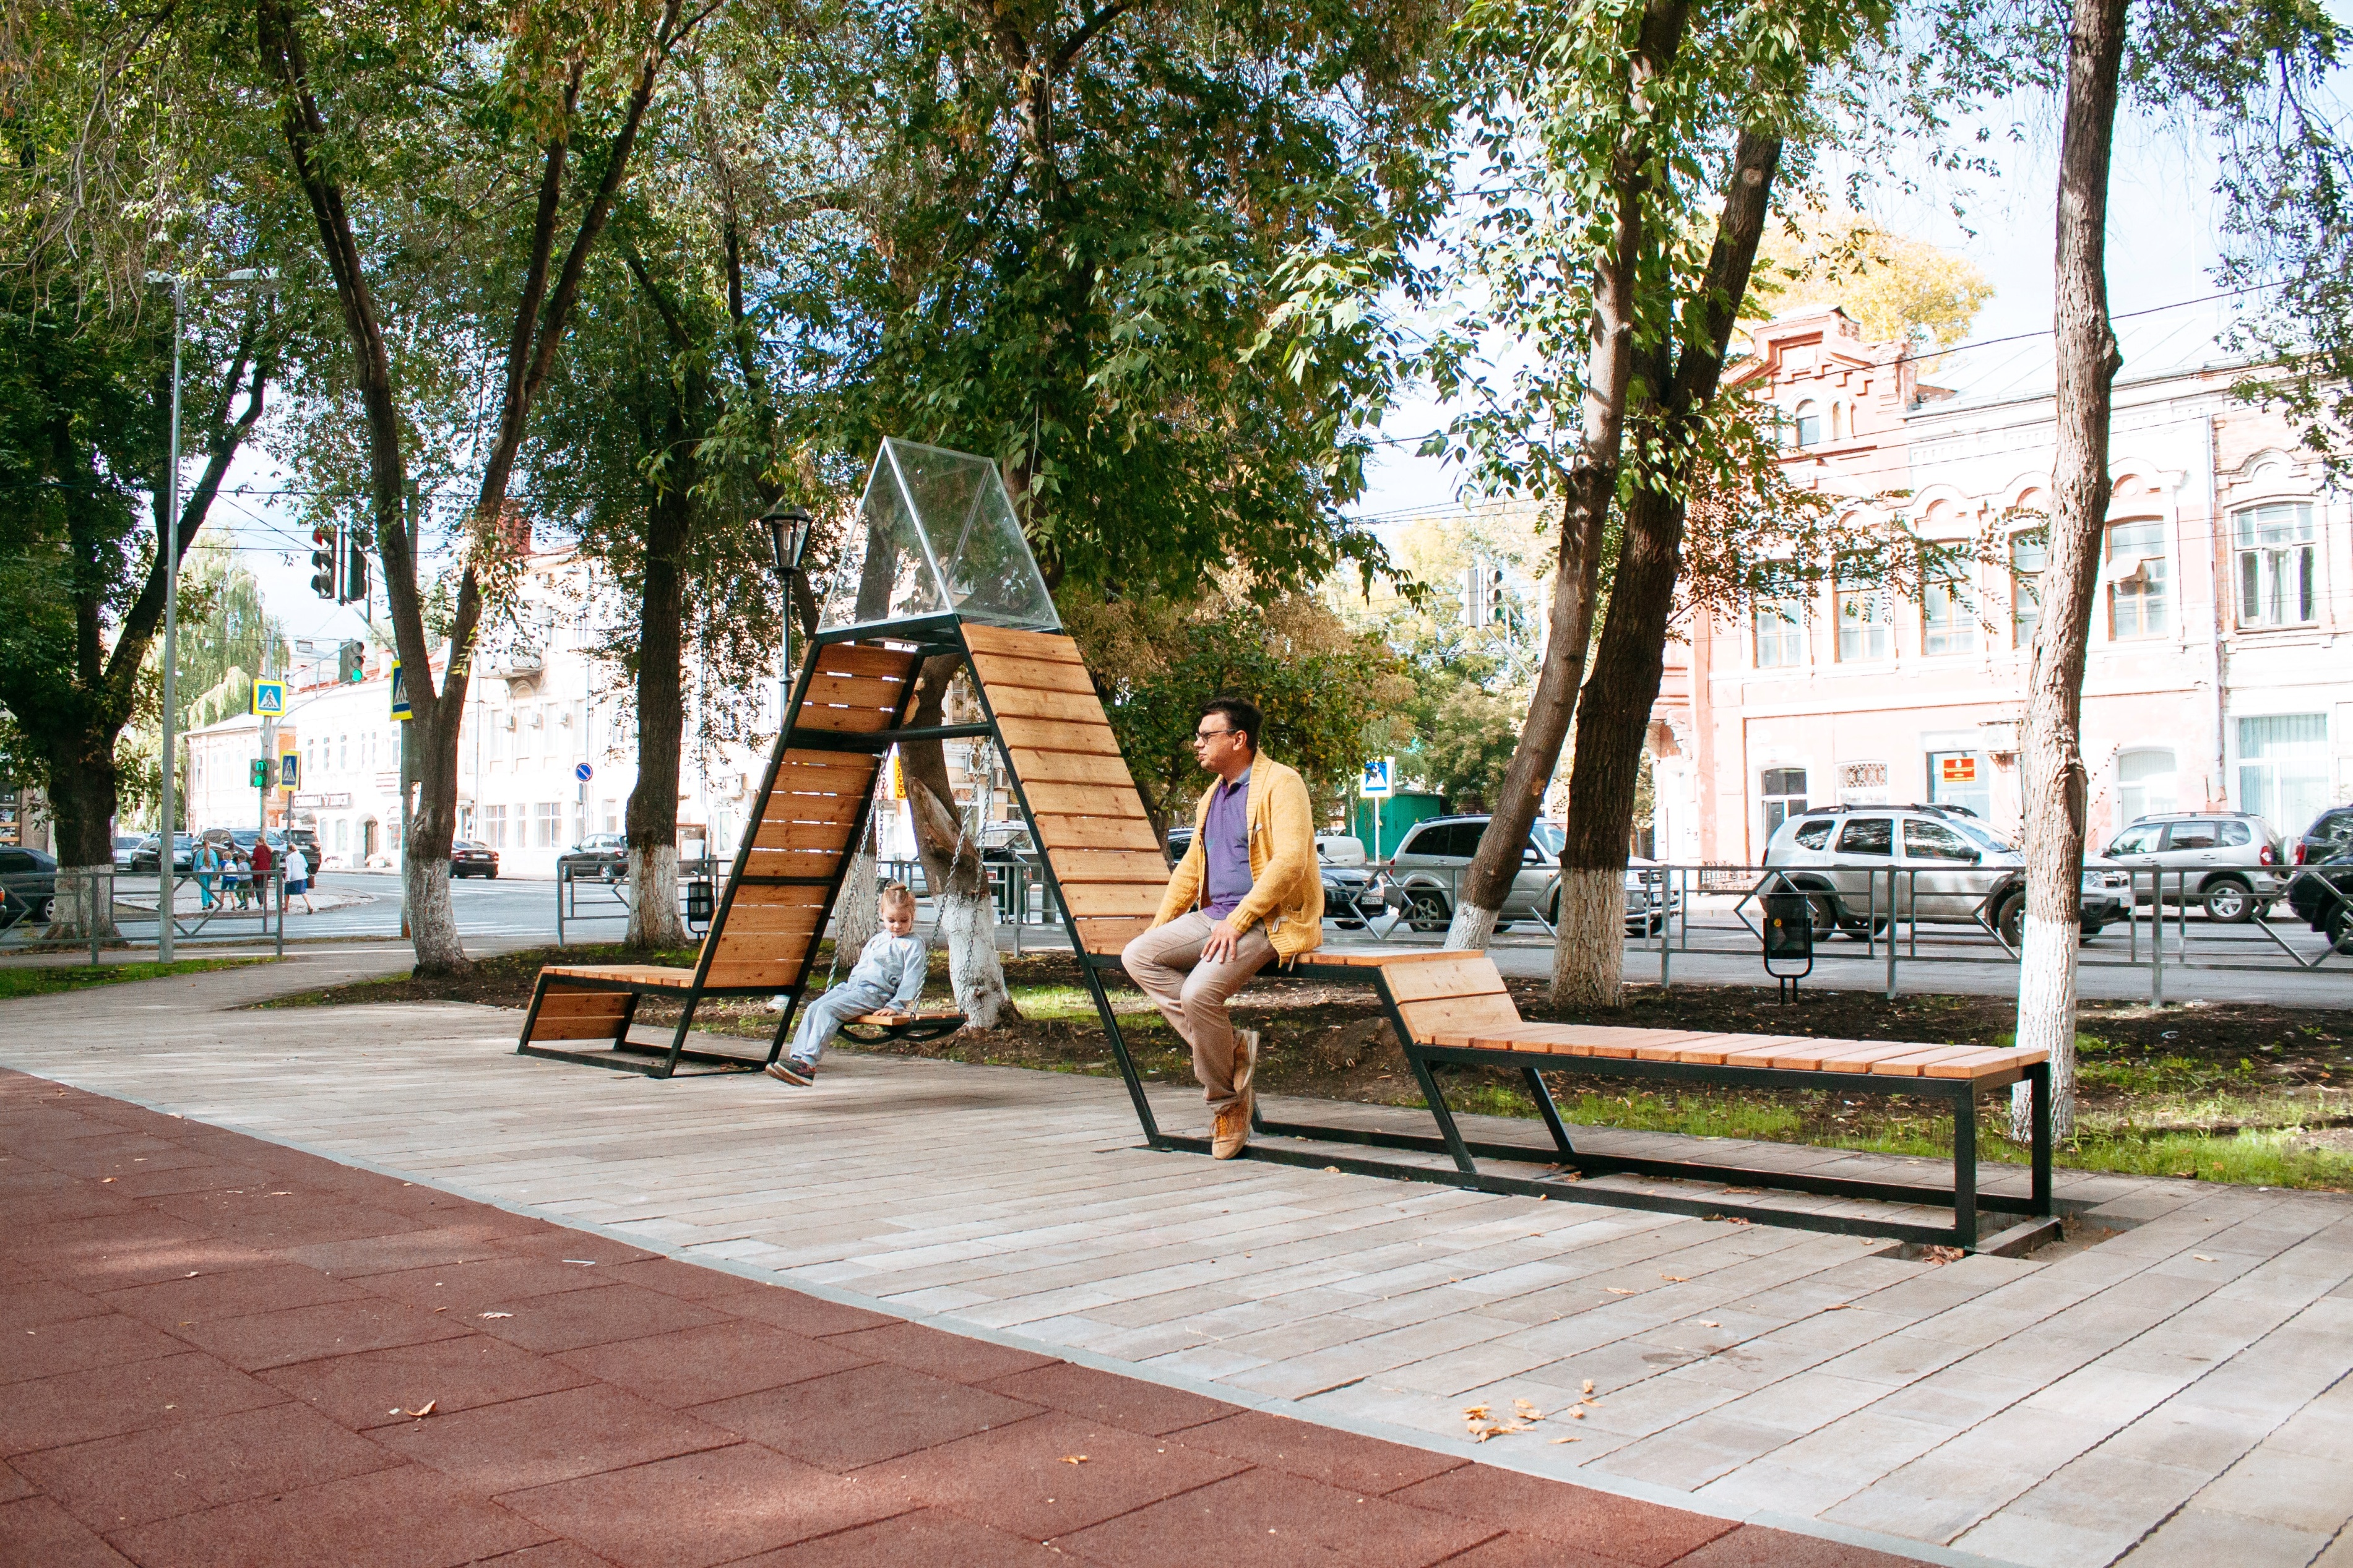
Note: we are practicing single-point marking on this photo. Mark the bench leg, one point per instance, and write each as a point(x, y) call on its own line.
point(2038, 1078)
point(1445, 1117)
point(1965, 1165)
point(530, 1017)
point(628, 1016)
point(1553, 1123)
point(783, 1028)
point(678, 1040)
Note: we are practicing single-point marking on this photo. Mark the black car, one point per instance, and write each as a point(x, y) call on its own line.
point(467, 858)
point(145, 859)
point(601, 856)
point(2322, 897)
point(32, 877)
point(2330, 837)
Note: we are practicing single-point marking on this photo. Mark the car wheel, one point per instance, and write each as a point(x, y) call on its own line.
point(1426, 910)
point(1503, 925)
point(2090, 929)
point(41, 911)
point(2230, 900)
point(2338, 926)
point(2010, 919)
point(492, 873)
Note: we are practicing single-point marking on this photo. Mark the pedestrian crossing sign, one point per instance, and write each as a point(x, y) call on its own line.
point(399, 695)
point(270, 698)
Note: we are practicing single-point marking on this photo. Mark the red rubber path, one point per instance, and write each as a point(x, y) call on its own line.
point(211, 1348)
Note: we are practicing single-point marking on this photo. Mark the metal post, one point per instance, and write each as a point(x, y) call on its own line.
point(1891, 931)
point(2157, 940)
point(95, 889)
point(167, 539)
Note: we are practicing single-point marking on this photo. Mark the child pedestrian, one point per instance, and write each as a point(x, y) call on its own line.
point(236, 879)
point(298, 878)
point(889, 976)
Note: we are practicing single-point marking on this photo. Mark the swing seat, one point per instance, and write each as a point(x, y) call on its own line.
point(881, 1028)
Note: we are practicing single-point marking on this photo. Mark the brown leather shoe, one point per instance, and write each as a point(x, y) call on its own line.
point(1230, 1134)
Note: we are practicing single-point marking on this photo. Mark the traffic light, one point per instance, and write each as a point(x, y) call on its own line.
point(261, 773)
point(355, 570)
point(351, 663)
point(323, 548)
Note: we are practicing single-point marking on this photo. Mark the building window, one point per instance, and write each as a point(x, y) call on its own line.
point(2275, 564)
point(2135, 579)
point(342, 754)
point(2144, 784)
point(1961, 779)
point(1862, 620)
point(342, 835)
point(1806, 425)
point(2283, 769)
point(547, 824)
point(1780, 627)
point(494, 826)
point(1948, 622)
point(2029, 554)
point(1784, 791)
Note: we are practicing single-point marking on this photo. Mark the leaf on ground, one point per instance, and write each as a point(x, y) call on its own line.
point(1474, 1413)
point(1577, 1415)
point(2202, 1258)
point(1074, 1459)
point(1836, 1307)
point(1566, 1440)
point(104, 1180)
point(1617, 1291)
point(497, 1314)
point(1942, 1255)
point(1676, 1279)
point(1706, 1323)
point(420, 1411)
point(1587, 1388)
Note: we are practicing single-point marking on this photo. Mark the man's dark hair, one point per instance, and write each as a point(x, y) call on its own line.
point(1240, 713)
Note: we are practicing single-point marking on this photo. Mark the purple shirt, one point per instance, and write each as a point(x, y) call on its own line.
point(1225, 840)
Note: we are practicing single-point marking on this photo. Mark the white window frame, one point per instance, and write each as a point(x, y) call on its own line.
point(2139, 578)
point(1788, 634)
point(2258, 564)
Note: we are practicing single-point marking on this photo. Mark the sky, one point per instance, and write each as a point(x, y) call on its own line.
point(2161, 251)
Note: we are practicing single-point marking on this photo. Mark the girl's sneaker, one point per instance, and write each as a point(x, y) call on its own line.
point(797, 1073)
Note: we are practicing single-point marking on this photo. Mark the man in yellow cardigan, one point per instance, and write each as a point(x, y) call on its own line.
point(1252, 872)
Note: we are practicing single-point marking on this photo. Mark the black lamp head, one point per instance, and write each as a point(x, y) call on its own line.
point(788, 533)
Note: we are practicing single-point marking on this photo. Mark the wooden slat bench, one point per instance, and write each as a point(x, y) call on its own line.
point(1458, 1013)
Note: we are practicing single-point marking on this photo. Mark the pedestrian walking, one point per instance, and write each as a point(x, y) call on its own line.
point(234, 878)
point(206, 865)
point(298, 878)
point(1251, 870)
point(888, 978)
point(263, 861)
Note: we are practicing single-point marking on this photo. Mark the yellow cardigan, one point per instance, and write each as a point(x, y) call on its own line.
point(1286, 888)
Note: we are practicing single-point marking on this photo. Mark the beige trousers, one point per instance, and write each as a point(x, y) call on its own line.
point(1165, 964)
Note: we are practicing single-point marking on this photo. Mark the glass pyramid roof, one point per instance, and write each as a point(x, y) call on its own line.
point(934, 534)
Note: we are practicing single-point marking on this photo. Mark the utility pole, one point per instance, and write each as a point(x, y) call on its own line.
point(408, 735)
point(167, 539)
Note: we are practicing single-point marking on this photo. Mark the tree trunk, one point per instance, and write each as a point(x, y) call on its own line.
point(965, 911)
point(661, 722)
point(81, 803)
point(1592, 486)
point(2053, 781)
point(1614, 716)
point(858, 913)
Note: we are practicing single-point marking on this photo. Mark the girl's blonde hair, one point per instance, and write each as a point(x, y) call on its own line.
point(895, 893)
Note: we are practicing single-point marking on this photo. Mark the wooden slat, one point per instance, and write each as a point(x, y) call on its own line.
point(1058, 833)
point(1917, 1066)
point(760, 947)
point(1859, 1055)
point(1986, 1062)
point(562, 1003)
point(1036, 675)
point(1551, 1040)
point(1461, 974)
point(1109, 866)
point(839, 809)
point(1114, 897)
point(649, 974)
point(1059, 735)
point(1790, 1055)
point(780, 975)
point(1084, 800)
point(1459, 1015)
point(849, 658)
point(1008, 643)
point(1376, 957)
point(753, 897)
point(792, 863)
point(1021, 701)
point(1110, 936)
point(1708, 1048)
point(826, 836)
point(761, 925)
point(827, 772)
point(1068, 767)
point(1676, 1050)
point(546, 1029)
point(856, 692)
point(846, 720)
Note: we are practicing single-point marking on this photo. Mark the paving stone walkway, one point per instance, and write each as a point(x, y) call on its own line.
point(221, 1351)
point(2180, 1382)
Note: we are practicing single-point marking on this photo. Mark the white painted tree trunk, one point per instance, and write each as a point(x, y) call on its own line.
point(858, 914)
point(1588, 960)
point(653, 898)
point(2046, 1021)
point(85, 897)
point(432, 919)
point(1470, 928)
point(967, 929)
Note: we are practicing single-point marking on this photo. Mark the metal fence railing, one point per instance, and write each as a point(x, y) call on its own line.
point(101, 908)
point(608, 896)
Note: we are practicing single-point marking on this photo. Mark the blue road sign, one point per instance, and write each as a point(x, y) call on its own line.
point(584, 772)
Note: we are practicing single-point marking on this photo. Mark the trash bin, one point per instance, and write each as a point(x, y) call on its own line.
point(1788, 940)
point(698, 902)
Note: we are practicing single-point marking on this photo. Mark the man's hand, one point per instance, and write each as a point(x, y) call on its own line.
point(1223, 939)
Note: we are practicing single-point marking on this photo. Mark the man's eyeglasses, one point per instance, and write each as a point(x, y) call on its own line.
point(1203, 737)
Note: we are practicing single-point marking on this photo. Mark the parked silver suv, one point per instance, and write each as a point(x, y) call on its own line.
point(1948, 869)
point(2230, 861)
point(1427, 872)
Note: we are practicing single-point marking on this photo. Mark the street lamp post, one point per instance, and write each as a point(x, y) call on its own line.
point(787, 528)
point(167, 539)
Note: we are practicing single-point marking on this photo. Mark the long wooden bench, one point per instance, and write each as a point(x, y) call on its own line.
point(811, 810)
point(1458, 1013)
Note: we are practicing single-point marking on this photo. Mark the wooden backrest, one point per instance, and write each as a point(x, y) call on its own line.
point(1058, 745)
point(806, 818)
point(1460, 993)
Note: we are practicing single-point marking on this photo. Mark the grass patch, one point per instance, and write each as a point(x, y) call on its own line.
point(48, 980)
